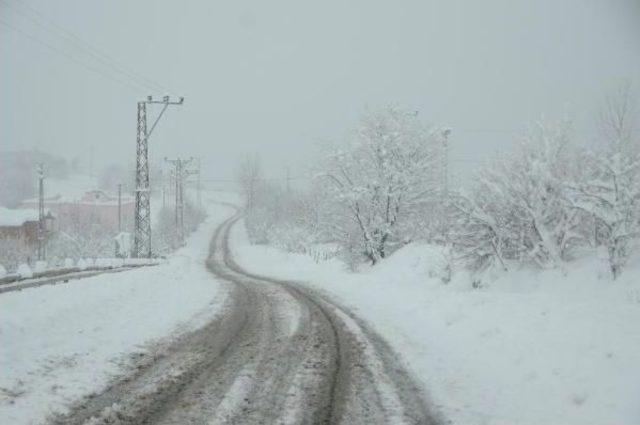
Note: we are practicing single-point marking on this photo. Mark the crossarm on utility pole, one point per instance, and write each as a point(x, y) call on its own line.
point(166, 105)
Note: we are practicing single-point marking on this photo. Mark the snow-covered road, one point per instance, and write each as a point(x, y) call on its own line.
point(63, 342)
point(178, 344)
point(280, 353)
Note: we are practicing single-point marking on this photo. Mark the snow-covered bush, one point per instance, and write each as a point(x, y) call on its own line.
point(86, 237)
point(165, 238)
point(13, 252)
point(3, 271)
point(382, 181)
point(281, 217)
point(82, 264)
point(611, 195)
point(520, 207)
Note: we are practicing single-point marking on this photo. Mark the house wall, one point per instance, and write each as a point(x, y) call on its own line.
point(105, 215)
point(26, 234)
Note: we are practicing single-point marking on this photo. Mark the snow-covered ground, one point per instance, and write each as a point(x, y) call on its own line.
point(526, 348)
point(59, 343)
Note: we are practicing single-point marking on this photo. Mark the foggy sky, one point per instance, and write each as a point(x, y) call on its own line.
point(278, 77)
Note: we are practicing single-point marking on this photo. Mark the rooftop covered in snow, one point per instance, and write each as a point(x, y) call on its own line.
point(17, 217)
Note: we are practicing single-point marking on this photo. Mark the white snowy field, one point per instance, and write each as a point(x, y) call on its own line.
point(526, 349)
point(59, 343)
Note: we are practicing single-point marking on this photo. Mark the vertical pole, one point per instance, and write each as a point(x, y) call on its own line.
point(198, 185)
point(163, 182)
point(142, 236)
point(177, 196)
point(445, 162)
point(91, 160)
point(119, 207)
point(288, 180)
point(41, 218)
point(181, 203)
point(445, 184)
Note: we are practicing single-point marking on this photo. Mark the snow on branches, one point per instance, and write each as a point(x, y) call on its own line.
point(543, 204)
point(610, 193)
point(519, 208)
point(382, 179)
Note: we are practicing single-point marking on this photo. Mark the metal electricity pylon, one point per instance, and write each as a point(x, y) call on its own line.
point(142, 230)
point(180, 174)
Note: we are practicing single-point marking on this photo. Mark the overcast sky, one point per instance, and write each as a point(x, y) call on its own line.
point(277, 77)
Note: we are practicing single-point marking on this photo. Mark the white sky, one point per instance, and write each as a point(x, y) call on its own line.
point(277, 77)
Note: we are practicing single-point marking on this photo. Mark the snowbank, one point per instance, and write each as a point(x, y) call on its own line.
point(62, 342)
point(25, 271)
point(526, 348)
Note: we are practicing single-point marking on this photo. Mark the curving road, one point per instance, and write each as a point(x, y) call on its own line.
point(279, 353)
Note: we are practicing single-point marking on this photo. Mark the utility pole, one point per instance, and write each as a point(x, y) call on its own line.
point(41, 218)
point(164, 191)
point(180, 173)
point(198, 188)
point(288, 180)
point(120, 208)
point(445, 183)
point(445, 162)
point(91, 160)
point(142, 230)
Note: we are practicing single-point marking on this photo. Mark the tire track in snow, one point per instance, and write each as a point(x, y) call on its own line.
point(280, 353)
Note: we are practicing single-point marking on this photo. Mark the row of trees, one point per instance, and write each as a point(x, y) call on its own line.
point(545, 203)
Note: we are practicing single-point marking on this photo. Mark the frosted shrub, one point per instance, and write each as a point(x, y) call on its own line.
point(13, 252)
point(381, 181)
point(259, 224)
point(520, 207)
point(292, 238)
point(611, 194)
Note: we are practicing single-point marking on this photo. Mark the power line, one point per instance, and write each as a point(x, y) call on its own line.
point(283, 179)
point(40, 20)
point(488, 130)
point(70, 57)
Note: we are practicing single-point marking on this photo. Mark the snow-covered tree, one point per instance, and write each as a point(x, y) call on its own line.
point(611, 194)
point(249, 177)
point(88, 237)
point(382, 180)
point(520, 207)
point(164, 232)
point(479, 231)
point(610, 189)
